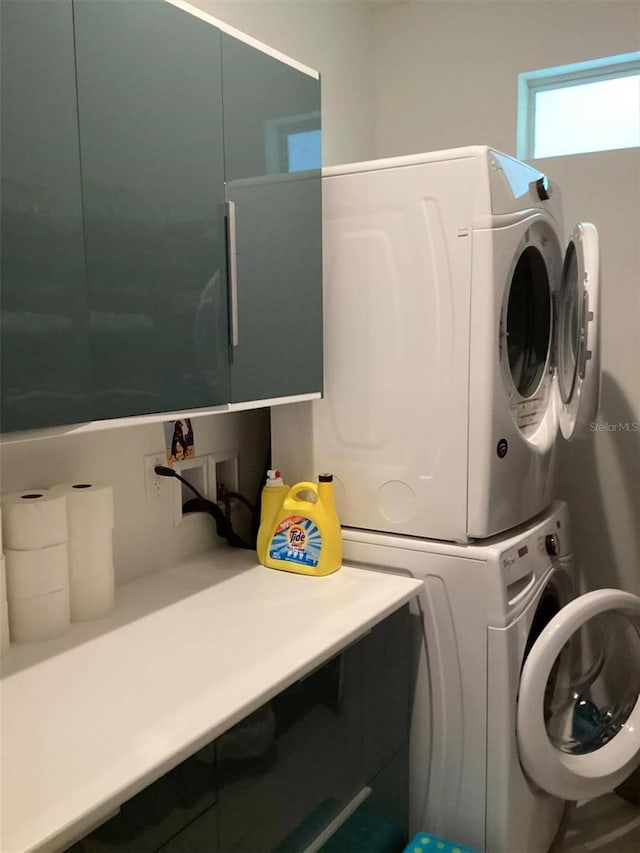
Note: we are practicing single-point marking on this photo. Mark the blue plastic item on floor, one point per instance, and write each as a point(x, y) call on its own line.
point(362, 831)
point(365, 831)
point(425, 843)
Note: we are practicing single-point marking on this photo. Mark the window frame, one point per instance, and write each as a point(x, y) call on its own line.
point(563, 77)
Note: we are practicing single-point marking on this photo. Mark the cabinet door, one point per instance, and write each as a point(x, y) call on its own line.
point(288, 769)
point(150, 108)
point(175, 814)
point(45, 367)
point(272, 170)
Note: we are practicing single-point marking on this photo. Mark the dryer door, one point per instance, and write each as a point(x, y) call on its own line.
point(577, 332)
point(578, 720)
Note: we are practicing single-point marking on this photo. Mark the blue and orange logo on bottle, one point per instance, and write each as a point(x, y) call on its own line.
point(296, 540)
point(297, 536)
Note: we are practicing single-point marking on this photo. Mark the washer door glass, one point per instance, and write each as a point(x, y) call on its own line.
point(594, 684)
point(528, 322)
point(579, 701)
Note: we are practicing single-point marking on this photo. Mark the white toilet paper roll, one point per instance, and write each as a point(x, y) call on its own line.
point(91, 555)
point(89, 507)
point(34, 519)
point(4, 612)
point(37, 572)
point(91, 597)
point(39, 617)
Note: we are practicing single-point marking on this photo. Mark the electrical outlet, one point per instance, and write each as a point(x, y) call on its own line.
point(153, 485)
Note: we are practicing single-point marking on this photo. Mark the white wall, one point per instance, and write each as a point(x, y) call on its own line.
point(446, 75)
point(447, 71)
point(336, 39)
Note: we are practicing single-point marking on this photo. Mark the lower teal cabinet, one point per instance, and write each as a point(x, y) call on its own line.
point(312, 764)
point(45, 369)
point(176, 813)
point(280, 777)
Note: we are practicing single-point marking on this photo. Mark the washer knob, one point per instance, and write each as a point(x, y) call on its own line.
point(552, 544)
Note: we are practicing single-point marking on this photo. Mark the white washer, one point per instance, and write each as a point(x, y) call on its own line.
point(457, 341)
point(527, 696)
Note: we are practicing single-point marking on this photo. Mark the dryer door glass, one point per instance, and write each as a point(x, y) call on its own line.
point(569, 324)
point(528, 323)
point(577, 332)
point(579, 700)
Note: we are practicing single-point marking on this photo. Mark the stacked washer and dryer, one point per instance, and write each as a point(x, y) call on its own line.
point(461, 339)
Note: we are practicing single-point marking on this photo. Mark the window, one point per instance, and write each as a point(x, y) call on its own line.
point(572, 109)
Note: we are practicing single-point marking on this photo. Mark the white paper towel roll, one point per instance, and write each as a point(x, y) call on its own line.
point(4, 612)
point(39, 617)
point(91, 555)
point(89, 507)
point(38, 571)
point(34, 519)
point(91, 597)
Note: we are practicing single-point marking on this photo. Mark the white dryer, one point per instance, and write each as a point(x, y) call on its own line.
point(527, 695)
point(459, 335)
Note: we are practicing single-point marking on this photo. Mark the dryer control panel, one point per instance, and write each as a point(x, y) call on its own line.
point(517, 186)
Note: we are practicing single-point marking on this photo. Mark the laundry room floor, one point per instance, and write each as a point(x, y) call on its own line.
point(607, 824)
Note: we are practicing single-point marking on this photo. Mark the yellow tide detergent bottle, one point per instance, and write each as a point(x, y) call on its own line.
point(305, 535)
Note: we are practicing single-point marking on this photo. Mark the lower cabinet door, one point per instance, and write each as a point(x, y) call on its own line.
point(150, 112)
point(288, 770)
point(200, 836)
point(45, 367)
point(176, 813)
point(387, 668)
point(291, 773)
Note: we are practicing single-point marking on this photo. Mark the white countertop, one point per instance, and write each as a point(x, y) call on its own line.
point(94, 716)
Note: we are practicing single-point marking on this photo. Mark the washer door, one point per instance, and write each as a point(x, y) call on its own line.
point(578, 719)
point(578, 332)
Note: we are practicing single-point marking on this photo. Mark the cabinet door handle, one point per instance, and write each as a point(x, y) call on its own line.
point(233, 273)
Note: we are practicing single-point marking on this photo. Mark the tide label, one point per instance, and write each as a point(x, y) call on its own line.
point(296, 540)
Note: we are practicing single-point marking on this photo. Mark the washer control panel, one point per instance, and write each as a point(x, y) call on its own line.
point(536, 551)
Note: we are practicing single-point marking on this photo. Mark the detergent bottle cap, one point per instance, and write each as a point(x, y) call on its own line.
point(274, 478)
point(325, 478)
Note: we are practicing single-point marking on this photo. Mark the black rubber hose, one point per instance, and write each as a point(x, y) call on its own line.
point(201, 504)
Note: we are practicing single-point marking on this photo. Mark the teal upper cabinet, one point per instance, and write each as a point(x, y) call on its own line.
point(161, 215)
point(150, 107)
point(45, 369)
point(273, 185)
